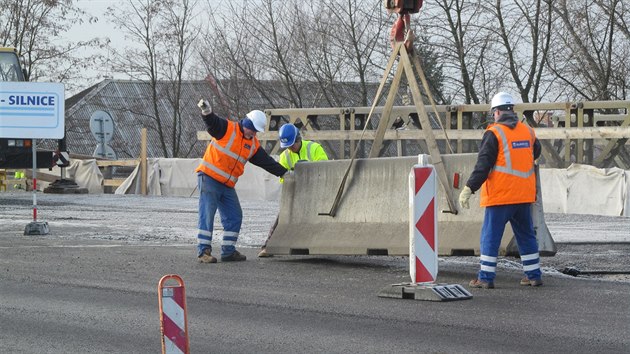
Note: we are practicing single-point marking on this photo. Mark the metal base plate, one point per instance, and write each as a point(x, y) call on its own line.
point(426, 292)
point(37, 228)
point(65, 186)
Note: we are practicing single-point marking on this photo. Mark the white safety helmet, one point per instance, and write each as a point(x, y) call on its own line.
point(259, 119)
point(502, 99)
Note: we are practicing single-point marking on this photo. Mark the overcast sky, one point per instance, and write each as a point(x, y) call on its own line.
point(101, 28)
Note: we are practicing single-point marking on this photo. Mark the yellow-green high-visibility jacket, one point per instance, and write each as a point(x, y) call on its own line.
point(310, 151)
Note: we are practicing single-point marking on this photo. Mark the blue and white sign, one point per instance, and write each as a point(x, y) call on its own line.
point(32, 110)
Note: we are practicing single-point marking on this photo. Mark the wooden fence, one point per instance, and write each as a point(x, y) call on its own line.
point(569, 131)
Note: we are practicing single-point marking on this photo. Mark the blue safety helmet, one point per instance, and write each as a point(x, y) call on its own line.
point(288, 133)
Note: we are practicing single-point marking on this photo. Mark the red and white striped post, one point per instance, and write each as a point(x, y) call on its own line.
point(423, 243)
point(34, 150)
point(173, 319)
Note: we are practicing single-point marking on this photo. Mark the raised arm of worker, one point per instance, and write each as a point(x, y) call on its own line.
point(217, 126)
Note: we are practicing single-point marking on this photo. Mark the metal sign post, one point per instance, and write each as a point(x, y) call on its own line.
point(36, 227)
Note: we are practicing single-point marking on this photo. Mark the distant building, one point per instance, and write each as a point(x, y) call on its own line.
point(130, 104)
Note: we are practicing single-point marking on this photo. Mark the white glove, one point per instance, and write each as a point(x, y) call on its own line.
point(464, 196)
point(205, 107)
point(289, 173)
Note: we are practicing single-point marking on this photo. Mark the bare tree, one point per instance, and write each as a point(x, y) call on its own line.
point(161, 35)
point(179, 17)
point(455, 31)
point(359, 33)
point(35, 27)
point(523, 29)
point(299, 49)
point(596, 49)
point(241, 52)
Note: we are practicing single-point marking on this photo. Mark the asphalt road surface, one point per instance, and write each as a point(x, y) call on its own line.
point(90, 286)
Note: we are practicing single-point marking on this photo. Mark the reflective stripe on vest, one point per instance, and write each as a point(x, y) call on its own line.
point(287, 154)
point(218, 171)
point(214, 162)
point(309, 156)
point(512, 179)
point(308, 151)
point(508, 157)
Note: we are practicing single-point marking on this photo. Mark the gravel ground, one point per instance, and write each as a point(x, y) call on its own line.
point(598, 246)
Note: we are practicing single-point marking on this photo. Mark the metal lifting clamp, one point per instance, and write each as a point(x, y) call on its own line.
point(401, 30)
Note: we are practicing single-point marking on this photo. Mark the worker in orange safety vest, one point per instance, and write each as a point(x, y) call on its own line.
point(505, 174)
point(233, 145)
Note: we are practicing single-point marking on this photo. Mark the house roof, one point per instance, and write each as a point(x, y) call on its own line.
point(130, 104)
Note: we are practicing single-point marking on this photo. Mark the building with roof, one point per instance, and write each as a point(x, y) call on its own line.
point(171, 126)
point(131, 105)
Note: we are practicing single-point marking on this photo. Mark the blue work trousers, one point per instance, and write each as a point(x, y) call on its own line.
point(520, 218)
point(214, 195)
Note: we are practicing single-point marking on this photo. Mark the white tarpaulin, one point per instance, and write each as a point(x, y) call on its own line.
point(132, 184)
point(579, 189)
point(584, 189)
point(85, 174)
point(177, 177)
point(554, 189)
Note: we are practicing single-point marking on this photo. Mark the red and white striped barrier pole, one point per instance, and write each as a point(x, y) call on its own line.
point(34, 150)
point(423, 243)
point(173, 319)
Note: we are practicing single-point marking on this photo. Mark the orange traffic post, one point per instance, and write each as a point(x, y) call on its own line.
point(173, 319)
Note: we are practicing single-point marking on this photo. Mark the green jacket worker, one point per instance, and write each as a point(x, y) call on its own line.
point(297, 149)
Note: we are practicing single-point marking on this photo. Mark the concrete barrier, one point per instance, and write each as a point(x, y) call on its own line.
point(372, 215)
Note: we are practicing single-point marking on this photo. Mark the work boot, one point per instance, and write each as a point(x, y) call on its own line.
point(206, 257)
point(476, 283)
point(264, 254)
point(234, 257)
point(531, 282)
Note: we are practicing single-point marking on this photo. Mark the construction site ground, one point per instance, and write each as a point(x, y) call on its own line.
point(586, 242)
point(90, 286)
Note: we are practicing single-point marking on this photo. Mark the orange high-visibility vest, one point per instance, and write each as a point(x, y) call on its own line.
point(225, 158)
point(512, 179)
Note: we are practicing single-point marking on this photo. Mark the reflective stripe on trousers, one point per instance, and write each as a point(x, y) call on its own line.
point(519, 216)
point(215, 196)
